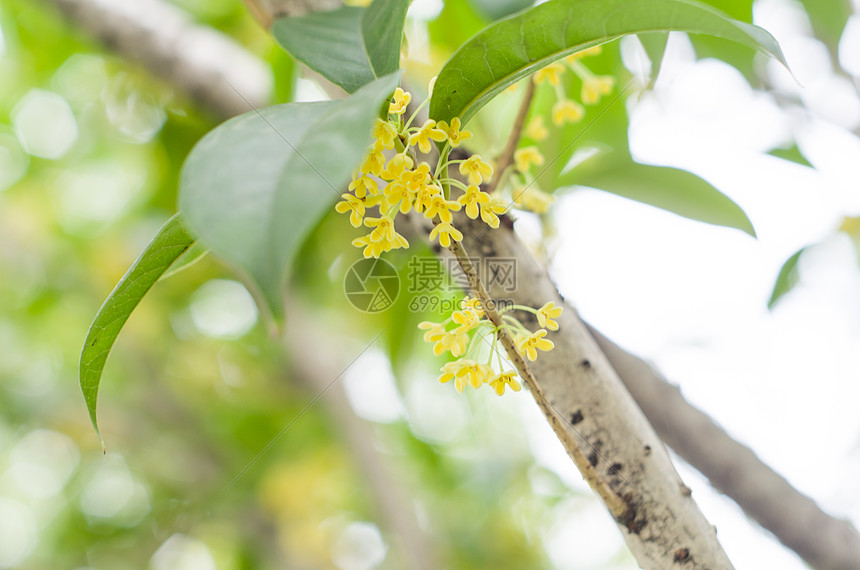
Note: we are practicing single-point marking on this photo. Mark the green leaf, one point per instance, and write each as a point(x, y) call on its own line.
point(787, 278)
point(655, 46)
point(828, 18)
point(495, 9)
point(791, 153)
point(169, 244)
point(670, 189)
point(254, 187)
point(191, 256)
point(511, 49)
point(348, 46)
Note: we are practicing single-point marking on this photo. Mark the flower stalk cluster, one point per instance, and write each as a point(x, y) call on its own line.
point(473, 340)
point(525, 194)
point(396, 178)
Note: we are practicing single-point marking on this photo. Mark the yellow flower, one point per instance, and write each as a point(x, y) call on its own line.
point(551, 74)
point(536, 129)
point(453, 132)
point(446, 233)
point(595, 87)
point(442, 207)
point(503, 379)
point(525, 157)
point(490, 212)
point(384, 133)
point(476, 169)
point(449, 372)
point(354, 206)
point(427, 132)
point(435, 331)
point(529, 345)
point(594, 50)
point(416, 179)
point(371, 249)
point(396, 192)
point(363, 184)
point(473, 304)
point(453, 341)
point(532, 199)
point(567, 111)
point(467, 319)
point(547, 313)
point(424, 196)
point(396, 167)
point(383, 228)
point(373, 163)
point(472, 198)
point(382, 238)
point(475, 372)
point(401, 99)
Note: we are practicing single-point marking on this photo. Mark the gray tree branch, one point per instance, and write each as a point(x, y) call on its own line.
point(205, 64)
point(820, 539)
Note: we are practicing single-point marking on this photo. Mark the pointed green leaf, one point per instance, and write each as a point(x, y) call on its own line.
point(254, 187)
point(348, 46)
point(670, 189)
point(828, 19)
point(654, 44)
point(170, 243)
point(791, 153)
point(191, 256)
point(513, 48)
point(787, 278)
point(382, 34)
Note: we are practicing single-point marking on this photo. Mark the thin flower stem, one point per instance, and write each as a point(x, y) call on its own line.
point(507, 156)
point(415, 114)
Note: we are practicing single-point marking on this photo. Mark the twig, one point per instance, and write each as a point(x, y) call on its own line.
point(507, 155)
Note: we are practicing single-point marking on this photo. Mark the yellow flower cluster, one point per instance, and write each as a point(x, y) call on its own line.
point(526, 196)
point(393, 178)
point(464, 342)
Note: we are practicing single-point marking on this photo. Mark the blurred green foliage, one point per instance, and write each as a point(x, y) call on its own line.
point(186, 405)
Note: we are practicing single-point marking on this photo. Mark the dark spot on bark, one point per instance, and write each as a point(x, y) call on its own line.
point(682, 555)
point(686, 491)
point(585, 363)
point(647, 449)
point(614, 468)
point(576, 417)
point(628, 517)
point(592, 458)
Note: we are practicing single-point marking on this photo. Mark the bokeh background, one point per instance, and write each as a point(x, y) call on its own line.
point(217, 454)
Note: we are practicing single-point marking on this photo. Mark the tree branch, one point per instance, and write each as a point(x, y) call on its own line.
point(661, 523)
point(800, 524)
point(507, 155)
point(207, 65)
